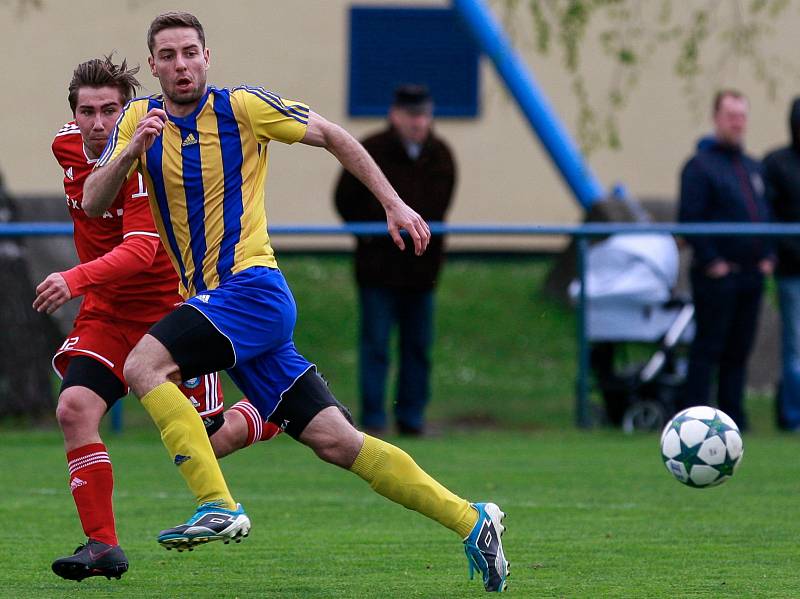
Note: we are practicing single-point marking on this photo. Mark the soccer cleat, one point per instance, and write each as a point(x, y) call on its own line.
point(484, 548)
point(92, 559)
point(210, 522)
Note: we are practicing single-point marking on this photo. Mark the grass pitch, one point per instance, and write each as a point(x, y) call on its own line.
point(589, 515)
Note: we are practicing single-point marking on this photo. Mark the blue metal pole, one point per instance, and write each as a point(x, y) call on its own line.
point(35, 229)
point(116, 417)
point(520, 82)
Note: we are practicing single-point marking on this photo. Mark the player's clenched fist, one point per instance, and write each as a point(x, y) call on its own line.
point(148, 129)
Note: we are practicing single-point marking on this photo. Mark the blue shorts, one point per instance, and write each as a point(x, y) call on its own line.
point(255, 310)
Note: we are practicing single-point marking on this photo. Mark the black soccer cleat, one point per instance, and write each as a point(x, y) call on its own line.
point(92, 559)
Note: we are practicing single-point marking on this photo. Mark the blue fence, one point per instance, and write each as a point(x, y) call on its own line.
point(581, 233)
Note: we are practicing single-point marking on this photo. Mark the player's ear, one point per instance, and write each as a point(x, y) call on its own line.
point(151, 61)
point(207, 56)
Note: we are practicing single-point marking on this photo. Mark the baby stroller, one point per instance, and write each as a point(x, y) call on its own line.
point(631, 308)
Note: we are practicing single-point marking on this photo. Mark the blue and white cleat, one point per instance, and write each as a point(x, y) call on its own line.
point(210, 522)
point(484, 548)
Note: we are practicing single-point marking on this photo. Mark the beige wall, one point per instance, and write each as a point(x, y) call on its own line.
point(299, 49)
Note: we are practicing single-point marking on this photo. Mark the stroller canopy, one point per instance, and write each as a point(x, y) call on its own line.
point(631, 269)
point(629, 278)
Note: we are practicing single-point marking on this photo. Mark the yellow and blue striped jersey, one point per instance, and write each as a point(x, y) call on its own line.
point(205, 176)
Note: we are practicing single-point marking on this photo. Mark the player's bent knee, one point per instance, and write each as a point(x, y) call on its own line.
point(68, 410)
point(79, 407)
point(338, 454)
point(333, 438)
point(134, 367)
point(342, 452)
point(148, 365)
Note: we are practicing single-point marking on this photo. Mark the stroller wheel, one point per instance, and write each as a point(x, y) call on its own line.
point(645, 415)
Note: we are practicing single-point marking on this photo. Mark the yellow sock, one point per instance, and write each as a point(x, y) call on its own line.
point(186, 440)
point(391, 472)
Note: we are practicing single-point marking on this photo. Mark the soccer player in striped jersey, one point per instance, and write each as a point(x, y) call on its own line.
point(127, 284)
point(203, 152)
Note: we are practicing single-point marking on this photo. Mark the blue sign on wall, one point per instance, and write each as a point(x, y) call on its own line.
point(393, 46)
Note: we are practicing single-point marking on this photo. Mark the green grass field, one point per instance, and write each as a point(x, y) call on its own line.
point(590, 514)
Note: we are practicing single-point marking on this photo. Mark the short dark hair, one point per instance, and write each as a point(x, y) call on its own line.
point(726, 93)
point(169, 20)
point(102, 72)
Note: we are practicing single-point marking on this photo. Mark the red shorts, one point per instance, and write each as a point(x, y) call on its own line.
point(110, 341)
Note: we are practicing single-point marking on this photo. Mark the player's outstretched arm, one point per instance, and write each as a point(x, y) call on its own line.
point(104, 183)
point(353, 157)
point(133, 255)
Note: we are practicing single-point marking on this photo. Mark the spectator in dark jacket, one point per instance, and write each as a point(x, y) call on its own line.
point(396, 287)
point(782, 177)
point(720, 183)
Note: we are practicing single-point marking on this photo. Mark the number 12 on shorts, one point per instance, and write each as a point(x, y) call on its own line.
point(69, 343)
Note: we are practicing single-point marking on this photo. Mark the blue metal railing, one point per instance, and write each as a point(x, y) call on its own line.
point(44, 229)
point(581, 233)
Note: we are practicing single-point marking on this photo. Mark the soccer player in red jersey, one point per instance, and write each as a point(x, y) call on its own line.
point(128, 284)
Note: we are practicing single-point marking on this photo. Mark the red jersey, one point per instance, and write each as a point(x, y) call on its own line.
point(143, 296)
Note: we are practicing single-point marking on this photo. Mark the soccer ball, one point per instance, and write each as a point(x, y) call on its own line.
point(701, 446)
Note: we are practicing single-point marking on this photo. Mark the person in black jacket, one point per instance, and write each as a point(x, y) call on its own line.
point(720, 183)
point(782, 177)
point(396, 287)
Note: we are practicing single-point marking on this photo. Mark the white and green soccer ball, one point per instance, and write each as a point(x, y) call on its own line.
point(701, 446)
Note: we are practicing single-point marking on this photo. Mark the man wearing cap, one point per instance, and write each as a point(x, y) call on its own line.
point(396, 288)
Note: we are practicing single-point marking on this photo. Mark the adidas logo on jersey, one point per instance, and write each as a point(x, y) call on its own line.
point(204, 297)
point(69, 174)
point(189, 140)
point(75, 483)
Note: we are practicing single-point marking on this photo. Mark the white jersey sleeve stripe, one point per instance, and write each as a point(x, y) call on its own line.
point(145, 233)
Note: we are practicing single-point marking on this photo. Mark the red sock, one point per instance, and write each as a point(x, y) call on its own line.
point(257, 429)
point(92, 482)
